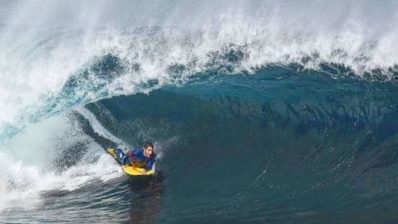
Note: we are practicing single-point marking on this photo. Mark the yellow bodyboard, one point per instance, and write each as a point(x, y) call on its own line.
point(130, 170)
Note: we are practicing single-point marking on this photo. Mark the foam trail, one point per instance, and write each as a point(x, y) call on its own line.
point(97, 127)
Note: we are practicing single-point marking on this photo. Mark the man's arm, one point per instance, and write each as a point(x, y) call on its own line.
point(149, 164)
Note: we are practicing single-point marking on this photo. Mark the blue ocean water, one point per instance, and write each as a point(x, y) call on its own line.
point(256, 116)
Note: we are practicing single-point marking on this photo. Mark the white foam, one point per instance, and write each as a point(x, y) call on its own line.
point(27, 163)
point(22, 185)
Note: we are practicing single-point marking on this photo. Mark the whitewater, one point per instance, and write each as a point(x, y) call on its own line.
point(260, 111)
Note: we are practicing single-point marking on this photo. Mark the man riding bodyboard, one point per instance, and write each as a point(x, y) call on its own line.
point(138, 158)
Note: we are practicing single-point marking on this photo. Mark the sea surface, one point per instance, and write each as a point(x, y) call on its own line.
point(259, 111)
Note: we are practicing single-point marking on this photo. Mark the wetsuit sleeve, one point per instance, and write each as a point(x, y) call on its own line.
point(149, 164)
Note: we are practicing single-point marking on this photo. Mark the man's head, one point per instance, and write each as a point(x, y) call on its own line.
point(148, 149)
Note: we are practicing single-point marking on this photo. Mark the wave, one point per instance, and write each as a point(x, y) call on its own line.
point(65, 72)
point(294, 143)
point(276, 137)
point(267, 74)
point(119, 58)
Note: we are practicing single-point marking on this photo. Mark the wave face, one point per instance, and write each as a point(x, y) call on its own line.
point(261, 111)
point(278, 146)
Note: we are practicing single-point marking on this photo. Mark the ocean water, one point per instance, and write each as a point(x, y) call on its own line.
point(260, 111)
